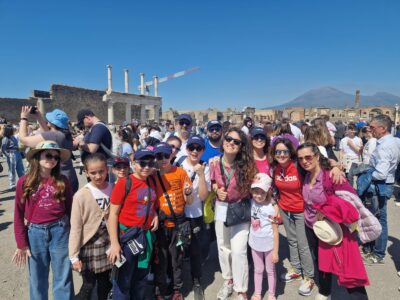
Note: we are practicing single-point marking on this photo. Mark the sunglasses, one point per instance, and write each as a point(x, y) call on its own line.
point(198, 148)
point(306, 158)
point(161, 156)
point(282, 152)
point(177, 149)
point(184, 122)
point(229, 139)
point(49, 156)
point(216, 129)
point(146, 163)
point(259, 137)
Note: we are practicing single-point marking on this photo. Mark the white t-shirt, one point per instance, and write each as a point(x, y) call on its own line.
point(368, 149)
point(195, 209)
point(102, 197)
point(296, 131)
point(245, 129)
point(261, 237)
point(348, 151)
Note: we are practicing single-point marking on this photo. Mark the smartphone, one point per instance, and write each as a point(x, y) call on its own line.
point(119, 263)
point(33, 110)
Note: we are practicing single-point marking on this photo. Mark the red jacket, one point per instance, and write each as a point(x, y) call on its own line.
point(343, 260)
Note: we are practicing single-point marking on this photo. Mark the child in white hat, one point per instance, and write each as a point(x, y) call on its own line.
point(264, 235)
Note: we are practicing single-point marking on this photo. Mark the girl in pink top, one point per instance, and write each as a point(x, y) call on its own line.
point(260, 144)
point(44, 199)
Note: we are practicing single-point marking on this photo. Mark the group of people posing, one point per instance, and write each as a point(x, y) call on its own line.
point(118, 235)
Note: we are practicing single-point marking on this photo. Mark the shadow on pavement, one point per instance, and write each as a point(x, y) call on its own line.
point(394, 251)
point(8, 198)
point(4, 225)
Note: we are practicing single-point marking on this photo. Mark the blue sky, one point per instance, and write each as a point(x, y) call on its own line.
point(251, 53)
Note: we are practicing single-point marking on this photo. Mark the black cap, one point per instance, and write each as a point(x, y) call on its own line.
point(213, 123)
point(257, 131)
point(82, 114)
point(185, 117)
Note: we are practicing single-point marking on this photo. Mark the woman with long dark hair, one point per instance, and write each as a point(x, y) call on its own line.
point(231, 177)
point(260, 144)
point(55, 128)
point(341, 257)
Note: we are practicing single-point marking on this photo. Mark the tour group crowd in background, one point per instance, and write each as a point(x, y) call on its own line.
point(161, 195)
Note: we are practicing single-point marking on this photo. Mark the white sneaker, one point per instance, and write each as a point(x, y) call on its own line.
point(225, 291)
point(307, 286)
point(322, 297)
point(291, 275)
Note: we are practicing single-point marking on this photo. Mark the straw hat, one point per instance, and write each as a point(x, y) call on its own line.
point(328, 231)
point(49, 145)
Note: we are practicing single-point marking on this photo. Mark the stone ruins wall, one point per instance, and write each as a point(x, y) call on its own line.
point(10, 108)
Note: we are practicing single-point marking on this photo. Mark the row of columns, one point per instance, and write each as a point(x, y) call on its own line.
point(128, 112)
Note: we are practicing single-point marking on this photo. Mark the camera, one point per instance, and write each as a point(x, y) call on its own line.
point(33, 110)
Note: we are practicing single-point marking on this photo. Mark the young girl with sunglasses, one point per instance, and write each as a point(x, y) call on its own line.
point(264, 235)
point(89, 240)
point(44, 198)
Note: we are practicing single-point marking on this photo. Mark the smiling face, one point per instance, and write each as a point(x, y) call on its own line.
point(232, 143)
point(258, 141)
point(214, 133)
point(120, 170)
point(259, 195)
point(49, 159)
point(176, 147)
point(97, 172)
point(307, 159)
point(195, 152)
point(282, 154)
point(163, 160)
point(144, 167)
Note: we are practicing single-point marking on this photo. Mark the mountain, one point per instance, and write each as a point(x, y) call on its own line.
point(334, 98)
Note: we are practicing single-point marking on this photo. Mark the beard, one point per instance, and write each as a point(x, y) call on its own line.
point(214, 139)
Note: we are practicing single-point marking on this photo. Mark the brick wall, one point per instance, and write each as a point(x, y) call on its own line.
point(10, 108)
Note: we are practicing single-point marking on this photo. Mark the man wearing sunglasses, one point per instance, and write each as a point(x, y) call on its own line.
point(183, 127)
point(174, 189)
point(213, 141)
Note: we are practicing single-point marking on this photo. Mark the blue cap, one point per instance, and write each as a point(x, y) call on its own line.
point(58, 118)
point(196, 140)
point(185, 117)
point(140, 154)
point(162, 148)
point(257, 131)
point(213, 123)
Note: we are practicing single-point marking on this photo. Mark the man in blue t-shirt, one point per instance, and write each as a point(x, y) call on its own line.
point(97, 139)
point(213, 140)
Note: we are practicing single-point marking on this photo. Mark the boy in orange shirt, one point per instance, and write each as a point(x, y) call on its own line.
point(174, 184)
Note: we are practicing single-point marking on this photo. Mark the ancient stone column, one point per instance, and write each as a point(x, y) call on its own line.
point(142, 114)
point(157, 113)
point(110, 111)
point(109, 90)
point(126, 81)
point(128, 112)
point(155, 83)
point(142, 87)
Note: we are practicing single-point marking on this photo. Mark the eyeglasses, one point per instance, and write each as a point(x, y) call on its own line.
point(49, 156)
point(198, 148)
point(282, 152)
point(146, 163)
point(184, 122)
point(229, 139)
point(120, 166)
point(161, 156)
point(259, 137)
point(177, 149)
point(306, 158)
point(216, 129)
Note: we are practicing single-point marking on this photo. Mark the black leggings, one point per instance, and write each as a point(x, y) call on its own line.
point(89, 282)
point(325, 279)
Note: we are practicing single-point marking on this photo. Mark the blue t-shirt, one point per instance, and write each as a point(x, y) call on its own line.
point(98, 134)
point(210, 152)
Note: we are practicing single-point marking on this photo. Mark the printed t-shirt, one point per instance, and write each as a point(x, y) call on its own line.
point(262, 166)
point(102, 196)
point(290, 188)
point(195, 209)
point(261, 236)
point(134, 209)
point(234, 194)
point(174, 182)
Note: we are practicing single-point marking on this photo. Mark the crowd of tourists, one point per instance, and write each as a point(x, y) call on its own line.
point(159, 195)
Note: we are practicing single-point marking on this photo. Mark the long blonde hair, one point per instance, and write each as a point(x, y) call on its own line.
point(33, 179)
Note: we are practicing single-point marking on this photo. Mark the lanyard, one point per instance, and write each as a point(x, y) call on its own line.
point(227, 174)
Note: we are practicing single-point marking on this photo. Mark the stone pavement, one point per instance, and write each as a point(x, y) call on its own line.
point(384, 280)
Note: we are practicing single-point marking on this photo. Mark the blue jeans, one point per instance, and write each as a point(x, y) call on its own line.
point(15, 165)
point(381, 242)
point(49, 246)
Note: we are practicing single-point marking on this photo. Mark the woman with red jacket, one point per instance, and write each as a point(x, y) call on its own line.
point(344, 259)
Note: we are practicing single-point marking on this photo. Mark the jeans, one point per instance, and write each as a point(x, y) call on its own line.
point(300, 255)
point(49, 246)
point(381, 242)
point(130, 283)
point(197, 227)
point(15, 165)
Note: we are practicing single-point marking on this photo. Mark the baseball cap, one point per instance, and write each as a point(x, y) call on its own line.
point(121, 160)
point(257, 131)
point(213, 123)
point(162, 148)
point(82, 114)
point(185, 117)
point(58, 118)
point(262, 181)
point(196, 140)
point(142, 153)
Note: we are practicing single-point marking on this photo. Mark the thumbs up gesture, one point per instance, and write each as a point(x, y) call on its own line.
point(221, 194)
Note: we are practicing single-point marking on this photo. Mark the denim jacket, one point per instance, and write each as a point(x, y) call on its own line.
point(366, 183)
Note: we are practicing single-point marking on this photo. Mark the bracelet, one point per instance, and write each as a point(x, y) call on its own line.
point(24, 119)
point(188, 194)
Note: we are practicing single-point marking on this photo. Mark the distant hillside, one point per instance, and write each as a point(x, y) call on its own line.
point(331, 97)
